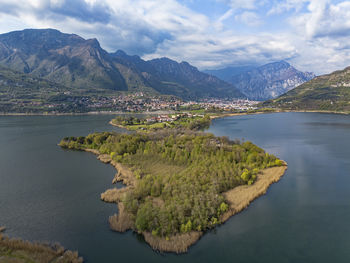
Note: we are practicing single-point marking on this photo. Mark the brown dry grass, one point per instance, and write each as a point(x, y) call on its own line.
point(105, 158)
point(178, 243)
point(114, 195)
point(116, 125)
point(124, 174)
point(122, 221)
point(92, 151)
point(17, 250)
point(241, 196)
point(154, 166)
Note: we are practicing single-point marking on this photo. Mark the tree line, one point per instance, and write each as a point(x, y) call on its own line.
point(181, 175)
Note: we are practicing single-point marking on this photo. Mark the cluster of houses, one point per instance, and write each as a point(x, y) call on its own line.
point(227, 105)
point(170, 118)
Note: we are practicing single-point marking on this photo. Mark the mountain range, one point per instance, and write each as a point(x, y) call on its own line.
point(20, 92)
point(264, 82)
point(329, 92)
point(80, 64)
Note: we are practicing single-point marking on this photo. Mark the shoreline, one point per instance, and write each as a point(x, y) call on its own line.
point(165, 112)
point(117, 125)
point(237, 114)
point(238, 199)
point(241, 196)
point(277, 111)
point(87, 113)
point(316, 111)
point(18, 250)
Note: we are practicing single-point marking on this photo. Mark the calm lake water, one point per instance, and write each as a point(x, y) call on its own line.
point(49, 194)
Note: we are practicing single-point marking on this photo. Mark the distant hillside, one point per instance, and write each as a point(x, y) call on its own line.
point(327, 92)
point(201, 84)
point(82, 64)
point(64, 58)
point(227, 73)
point(167, 76)
point(20, 92)
point(267, 81)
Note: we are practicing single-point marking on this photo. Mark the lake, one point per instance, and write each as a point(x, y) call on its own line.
point(51, 194)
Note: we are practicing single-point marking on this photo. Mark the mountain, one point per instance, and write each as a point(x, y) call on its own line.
point(267, 81)
point(82, 64)
point(183, 75)
point(167, 76)
point(327, 92)
point(64, 58)
point(227, 73)
point(20, 92)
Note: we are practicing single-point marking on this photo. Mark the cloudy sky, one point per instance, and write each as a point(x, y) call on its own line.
point(313, 35)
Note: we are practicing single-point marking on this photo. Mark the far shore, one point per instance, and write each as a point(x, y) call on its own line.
point(222, 115)
point(276, 111)
point(238, 199)
point(86, 113)
point(116, 125)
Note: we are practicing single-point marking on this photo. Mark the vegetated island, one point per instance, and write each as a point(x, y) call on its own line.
point(166, 121)
point(179, 182)
point(19, 251)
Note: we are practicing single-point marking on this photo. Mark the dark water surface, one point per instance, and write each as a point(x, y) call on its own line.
point(49, 194)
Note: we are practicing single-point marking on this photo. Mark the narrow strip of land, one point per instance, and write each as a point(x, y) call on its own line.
point(20, 251)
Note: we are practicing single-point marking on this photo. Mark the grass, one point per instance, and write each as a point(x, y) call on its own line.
point(19, 251)
point(146, 126)
point(155, 167)
point(324, 93)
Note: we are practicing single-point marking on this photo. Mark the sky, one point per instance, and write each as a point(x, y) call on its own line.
point(312, 35)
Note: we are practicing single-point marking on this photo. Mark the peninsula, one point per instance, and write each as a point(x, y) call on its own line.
point(179, 182)
point(166, 121)
point(18, 250)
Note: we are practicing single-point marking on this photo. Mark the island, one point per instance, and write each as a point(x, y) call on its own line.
point(178, 182)
point(166, 121)
point(18, 250)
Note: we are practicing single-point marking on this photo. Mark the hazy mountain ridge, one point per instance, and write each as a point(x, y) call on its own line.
point(267, 81)
point(72, 61)
point(326, 92)
point(182, 79)
point(188, 76)
point(227, 73)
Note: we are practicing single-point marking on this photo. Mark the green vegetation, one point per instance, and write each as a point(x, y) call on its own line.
point(324, 93)
point(179, 121)
point(181, 175)
point(19, 251)
point(25, 93)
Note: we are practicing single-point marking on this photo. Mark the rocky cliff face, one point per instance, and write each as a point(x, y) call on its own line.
point(202, 84)
point(270, 81)
point(329, 92)
point(82, 64)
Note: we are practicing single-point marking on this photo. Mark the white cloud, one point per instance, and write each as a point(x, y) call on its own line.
point(321, 36)
point(281, 6)
point(315, 40)
point(225, 49)
point(249, 18)
point(243, 4)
